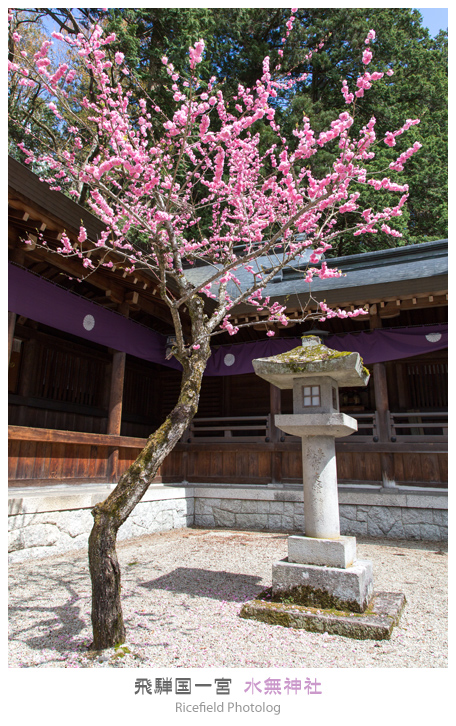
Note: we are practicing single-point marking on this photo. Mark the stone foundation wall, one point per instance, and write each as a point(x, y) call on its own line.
point(46, 523)
point(53, 520)
point(364, 511)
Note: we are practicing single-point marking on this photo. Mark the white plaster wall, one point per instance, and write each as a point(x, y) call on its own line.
point(47, 523)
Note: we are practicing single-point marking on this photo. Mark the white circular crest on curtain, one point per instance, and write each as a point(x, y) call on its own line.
point(229, 359)
point(433, 337)
point(89, 322)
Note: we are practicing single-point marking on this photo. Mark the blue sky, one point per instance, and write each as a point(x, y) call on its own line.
point(434, 19)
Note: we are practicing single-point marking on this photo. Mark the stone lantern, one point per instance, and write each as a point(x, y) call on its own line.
point(321, 569)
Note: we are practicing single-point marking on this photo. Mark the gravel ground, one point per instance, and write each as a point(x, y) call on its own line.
point(182, 592)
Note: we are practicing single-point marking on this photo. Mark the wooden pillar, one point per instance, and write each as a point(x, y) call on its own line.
point(115, 403)
point(381, 399)
point(116, 392)
point(275, 407)
point(115, 409)
point(11, 328)
point(382, 408)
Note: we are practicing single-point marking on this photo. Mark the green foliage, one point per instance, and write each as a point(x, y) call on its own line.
point(27, 109)
point(418, 89)
point(237, 39)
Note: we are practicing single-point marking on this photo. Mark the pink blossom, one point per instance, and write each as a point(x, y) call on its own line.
point(196, 53)
point(392, 232)
point(67, 246)
point(208, 161)
point(390, 139)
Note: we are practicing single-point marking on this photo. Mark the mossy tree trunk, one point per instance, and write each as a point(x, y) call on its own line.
point(107, 619)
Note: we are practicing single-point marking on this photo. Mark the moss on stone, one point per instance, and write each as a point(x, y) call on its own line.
point(297, 358)
point(310, 354)
point(360, 626)
point(312, 597)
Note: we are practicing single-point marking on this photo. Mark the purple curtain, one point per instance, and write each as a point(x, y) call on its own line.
point(381, 345)
point(40, 300)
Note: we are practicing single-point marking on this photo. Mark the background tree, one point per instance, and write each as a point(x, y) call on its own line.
point(27, 109)
point(203, 190)
point(237, 40)
point(418, 88)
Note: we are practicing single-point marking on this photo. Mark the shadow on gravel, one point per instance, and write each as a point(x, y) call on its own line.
point(217, 585)
point(59, 625)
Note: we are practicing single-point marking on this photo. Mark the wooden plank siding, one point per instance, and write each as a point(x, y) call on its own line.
point(266, 463)
point(42, 455)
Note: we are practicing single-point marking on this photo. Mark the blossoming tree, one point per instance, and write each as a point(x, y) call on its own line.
point(195, 188)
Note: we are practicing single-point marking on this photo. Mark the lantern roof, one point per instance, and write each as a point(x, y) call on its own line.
point(310, 360)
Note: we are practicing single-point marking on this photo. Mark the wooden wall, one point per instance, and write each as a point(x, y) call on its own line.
point(42, 455)
point(282, 463)
point(56, 385)
point(58, 407)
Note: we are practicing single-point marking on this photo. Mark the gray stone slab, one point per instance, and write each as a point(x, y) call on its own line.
point(316, 424)
point(286, 495)
point(288, 523)
point(275, 521)
point(376, 623)
point(224, 518)
point(326, 587)
point(204, 520)
point(437, 500)
point(231, 505)
point(440, 517)
point(317, 551)
point(349, 527)
point(276, 507)
point(230, 491)
point(205, 506)
point(252, 521)
point(381, 497)
point(418, 516)
point(290, 508)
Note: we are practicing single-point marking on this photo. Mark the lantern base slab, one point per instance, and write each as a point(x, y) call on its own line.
point(338, 552)
point(376, 623)
point(348, 588)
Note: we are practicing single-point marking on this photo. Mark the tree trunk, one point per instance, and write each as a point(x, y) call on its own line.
point(107, 620)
